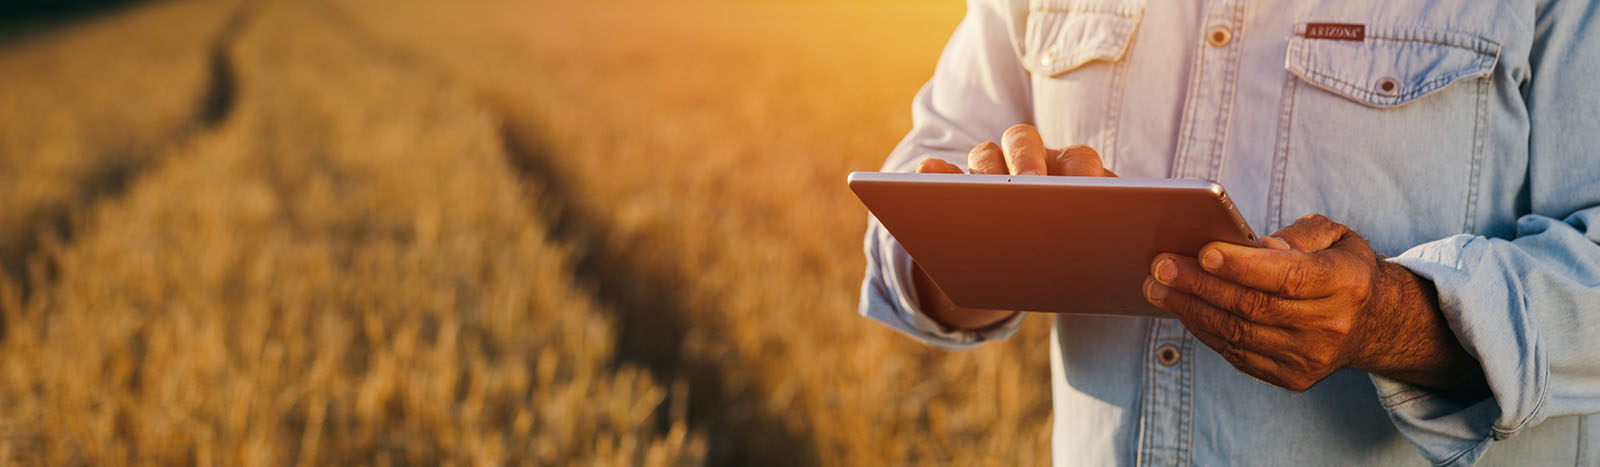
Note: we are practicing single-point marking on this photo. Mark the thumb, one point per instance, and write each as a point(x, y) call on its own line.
point(1309, 233)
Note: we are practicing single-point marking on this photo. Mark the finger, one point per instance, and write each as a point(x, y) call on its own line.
point(1024, 150)
point(1230, 337)
point(1185, 275)
point(1311, 232)
point(1255, 364)
point(1286, 273)
point(933, 165)
point(1197, 314)
point(986, 158)
point(1078, 160)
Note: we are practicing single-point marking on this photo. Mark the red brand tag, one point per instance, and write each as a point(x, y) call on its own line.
point(1337, 31)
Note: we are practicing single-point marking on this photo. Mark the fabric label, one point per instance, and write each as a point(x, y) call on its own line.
point(1337, 31)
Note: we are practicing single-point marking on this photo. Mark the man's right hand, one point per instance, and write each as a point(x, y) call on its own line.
point(1021, 152)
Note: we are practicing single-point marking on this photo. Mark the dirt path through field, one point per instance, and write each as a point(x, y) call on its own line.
point(97, 154)
point(520, 231)
point(710, 139)
point(652, 315)
point(341, 268)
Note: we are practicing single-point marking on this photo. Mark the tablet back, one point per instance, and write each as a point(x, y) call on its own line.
point(1052, 244)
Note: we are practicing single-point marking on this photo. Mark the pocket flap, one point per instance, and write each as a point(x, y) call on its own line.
point(1059, 40)
point(1388, 67)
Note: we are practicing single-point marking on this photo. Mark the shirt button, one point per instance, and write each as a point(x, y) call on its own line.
point(1167, 355)
point(1219, 36)
point(1389, 87)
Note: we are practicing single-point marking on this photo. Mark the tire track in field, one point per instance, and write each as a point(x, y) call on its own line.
point(57, 225)
point(653, 318)
point(653, 321)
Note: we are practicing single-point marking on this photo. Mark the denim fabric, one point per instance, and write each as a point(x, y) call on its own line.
point(1456, 136)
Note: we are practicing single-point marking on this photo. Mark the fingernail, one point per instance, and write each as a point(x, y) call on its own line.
point(1166, 270)
point(1211, 259)
point(1276, 243)
point(1154, 292)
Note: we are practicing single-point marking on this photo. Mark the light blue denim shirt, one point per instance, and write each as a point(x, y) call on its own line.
point(1461, 138)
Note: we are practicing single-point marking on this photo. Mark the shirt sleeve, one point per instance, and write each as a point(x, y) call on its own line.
point(978, 89)
point(1528, 307)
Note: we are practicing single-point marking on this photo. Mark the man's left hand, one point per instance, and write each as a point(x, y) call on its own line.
point(1316, 299)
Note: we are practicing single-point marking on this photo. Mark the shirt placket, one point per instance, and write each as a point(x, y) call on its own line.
point(1167, 412)
point(1208, 105)
point(1165, 416)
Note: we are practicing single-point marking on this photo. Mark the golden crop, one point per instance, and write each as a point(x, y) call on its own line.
point(373, 232)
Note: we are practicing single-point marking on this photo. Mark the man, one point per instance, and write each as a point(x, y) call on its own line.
point(1429, 169)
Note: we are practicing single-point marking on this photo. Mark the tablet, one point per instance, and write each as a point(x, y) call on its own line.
point(1047, 243)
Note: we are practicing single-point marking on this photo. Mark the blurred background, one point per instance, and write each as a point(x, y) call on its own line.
point(405, 232)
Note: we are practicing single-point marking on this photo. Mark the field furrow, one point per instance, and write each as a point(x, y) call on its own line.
point(86, 110)
point(344, 270)
point(711, 140)
point(505, 232)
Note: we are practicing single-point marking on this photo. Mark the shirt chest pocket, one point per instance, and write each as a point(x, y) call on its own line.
point(1390, 117)
point(1074, 51)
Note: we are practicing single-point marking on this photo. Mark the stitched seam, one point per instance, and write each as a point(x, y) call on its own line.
point(1042, 44)
point(1364, 95)
point(1400, 396)
point(1131, 12)
point(1413, 398)
point(1230, 88)
point(1481, 49)
point(1578, 458)
point(1113, 111)
point(1144, 397)
point(1186, 402)
point(1538, 406)
point(1280, 161)
point(1425, 36)
point(1182, 158)
point(1478, 138)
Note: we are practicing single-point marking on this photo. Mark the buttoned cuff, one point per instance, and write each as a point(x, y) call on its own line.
point(1480, 297)
point(888, 295)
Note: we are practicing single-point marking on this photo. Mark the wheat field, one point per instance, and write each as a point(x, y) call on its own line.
point(364, 232)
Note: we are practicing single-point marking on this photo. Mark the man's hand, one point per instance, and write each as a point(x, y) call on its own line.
point(1316, 300)
point(1021, 152)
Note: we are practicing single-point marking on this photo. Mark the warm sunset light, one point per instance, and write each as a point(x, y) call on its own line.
point(799, 232)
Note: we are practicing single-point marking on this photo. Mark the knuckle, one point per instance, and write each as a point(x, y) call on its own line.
point(1298, 383)
point(1232, 354)
point(1354, 282)
point(1335, 226)
point(1234, 331)
point(1296, 279)
point(1358, 287)
point(1323, 364)
point(1317, 361)
point(1338, 329)
point(1254, 304)
point(1313, 218)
